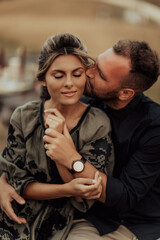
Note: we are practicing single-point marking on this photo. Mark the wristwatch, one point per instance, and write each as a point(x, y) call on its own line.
point(78, 166)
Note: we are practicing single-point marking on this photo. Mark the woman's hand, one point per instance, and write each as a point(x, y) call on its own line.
point(54, 120)
point(85, 187)
point(7, 195)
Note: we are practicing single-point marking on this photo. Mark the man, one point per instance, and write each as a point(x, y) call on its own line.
point(129, 207)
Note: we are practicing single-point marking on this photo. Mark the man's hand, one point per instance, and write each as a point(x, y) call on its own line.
point(7, 195)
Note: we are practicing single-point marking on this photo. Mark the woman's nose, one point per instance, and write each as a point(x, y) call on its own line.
point(91, 72)
point(68, 81)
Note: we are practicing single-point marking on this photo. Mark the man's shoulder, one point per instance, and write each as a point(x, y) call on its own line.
point(150, 108)
point(94, 102)
point(148, 100)
point(87, 100)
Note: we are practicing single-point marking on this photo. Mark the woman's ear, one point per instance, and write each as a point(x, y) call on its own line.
point(126, 94)
point(43, 83)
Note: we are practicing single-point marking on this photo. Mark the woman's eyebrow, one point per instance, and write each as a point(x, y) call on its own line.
point(78, 69)
point(62, 71)
point(57, 70)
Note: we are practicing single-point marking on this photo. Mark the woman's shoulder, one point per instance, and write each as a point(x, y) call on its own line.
point(96, 123)
point(27, 115)
point(27, 109)
point(95, 117)
point(31, 105)
point(98, 114)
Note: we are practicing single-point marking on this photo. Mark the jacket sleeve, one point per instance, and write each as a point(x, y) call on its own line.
point(95, 141)
point(12, 159)
point(95, 145)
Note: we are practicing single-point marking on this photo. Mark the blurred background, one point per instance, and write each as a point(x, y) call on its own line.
point(26, 24)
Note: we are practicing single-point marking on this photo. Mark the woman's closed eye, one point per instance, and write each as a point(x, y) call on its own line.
point(78, 73)
point(60, 76)
point(57, 76)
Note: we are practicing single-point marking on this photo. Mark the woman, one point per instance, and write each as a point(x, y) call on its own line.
point(49, 211)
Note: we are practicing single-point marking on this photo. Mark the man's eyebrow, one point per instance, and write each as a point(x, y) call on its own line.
point(101, 74)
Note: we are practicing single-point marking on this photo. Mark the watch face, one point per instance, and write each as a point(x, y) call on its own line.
point(78, 166)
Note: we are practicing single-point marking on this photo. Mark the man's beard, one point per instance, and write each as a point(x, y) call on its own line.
point(109, 98)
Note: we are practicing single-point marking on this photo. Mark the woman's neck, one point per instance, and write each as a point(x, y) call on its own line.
point(69, 111)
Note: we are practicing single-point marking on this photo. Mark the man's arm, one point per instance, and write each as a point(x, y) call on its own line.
point(137, 177)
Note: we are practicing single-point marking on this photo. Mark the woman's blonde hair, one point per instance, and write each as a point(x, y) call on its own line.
point(57, 45)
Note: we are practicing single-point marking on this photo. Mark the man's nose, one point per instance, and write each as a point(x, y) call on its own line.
point(91, 72)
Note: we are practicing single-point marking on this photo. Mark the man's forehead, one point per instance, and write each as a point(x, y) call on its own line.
point(109, 57)
point(104, 54)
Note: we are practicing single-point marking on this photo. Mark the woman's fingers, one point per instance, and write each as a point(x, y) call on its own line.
point(54, 119)
point(55, 112)
point(95, 194)
point(54, 123)
point(96, 189)
point(88, 188)
point(96, 176)
point(85, 181)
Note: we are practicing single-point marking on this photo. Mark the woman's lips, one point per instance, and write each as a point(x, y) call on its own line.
point(69, 94)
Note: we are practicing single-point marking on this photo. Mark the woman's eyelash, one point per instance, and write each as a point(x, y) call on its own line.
point(77, 75)
point(58, 77)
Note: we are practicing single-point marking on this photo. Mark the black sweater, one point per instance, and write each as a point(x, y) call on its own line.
point(133, 193)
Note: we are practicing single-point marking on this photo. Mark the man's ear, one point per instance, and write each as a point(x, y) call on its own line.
point(126, 94)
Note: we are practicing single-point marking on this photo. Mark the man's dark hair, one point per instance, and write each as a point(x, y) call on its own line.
point(145, 64)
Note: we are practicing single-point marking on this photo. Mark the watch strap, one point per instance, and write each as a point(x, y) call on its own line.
point(83, 160)
point(71, 171)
